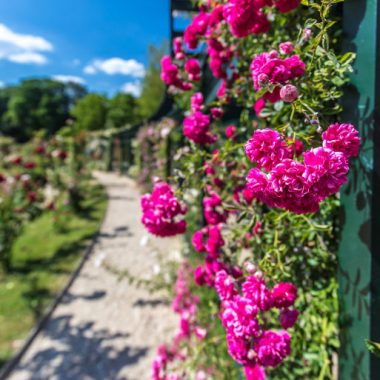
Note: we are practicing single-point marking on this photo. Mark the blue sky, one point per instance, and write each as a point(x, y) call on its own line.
point(100, 42)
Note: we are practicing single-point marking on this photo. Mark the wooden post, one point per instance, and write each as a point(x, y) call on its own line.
point(359, 252)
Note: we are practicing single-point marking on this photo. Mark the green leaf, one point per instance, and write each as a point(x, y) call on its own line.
point(278, 106)
point(347, 58)
point(373, 347)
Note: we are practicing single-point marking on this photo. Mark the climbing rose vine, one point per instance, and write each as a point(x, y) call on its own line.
point(260, 167)
point(249, 343)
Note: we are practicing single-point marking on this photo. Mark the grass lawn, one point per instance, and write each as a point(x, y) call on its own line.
point(42, 260)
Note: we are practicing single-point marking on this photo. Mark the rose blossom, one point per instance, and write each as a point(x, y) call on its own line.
point(197, 129)
point(225, 286)
point(342, 138)
point(278, 71)
point(287, 181)
point(254, 373)
point(216, 112)
point(326, 171)
point(284, 294)
point(196, 29)
point(256, 290)
point(266, 148)
point(286, 5)
point(288, 318)
point(272, 348)
point(230, 131)
point(244, 17)
point(170, 75)
point(257, 182)
point(193, 69)
point(239, 348)
point(286, 47)
point(222, 89)
point(178, 45)
point(239, 317)
point(213, 210)
point(199, 276)
point(294, 186)
point(208, 239)
point(196, 102)
point(161, 210)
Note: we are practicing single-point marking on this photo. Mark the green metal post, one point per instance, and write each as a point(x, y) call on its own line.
point(123, 155)
point(109, 154)
point(359, 252)
point(129, 152)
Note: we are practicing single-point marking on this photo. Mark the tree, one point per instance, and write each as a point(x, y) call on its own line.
point(90, 113)
point(36, 104)
point(122, 110)
point(153, 89)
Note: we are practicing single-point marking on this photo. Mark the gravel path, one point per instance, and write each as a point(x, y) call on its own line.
point(107, 329)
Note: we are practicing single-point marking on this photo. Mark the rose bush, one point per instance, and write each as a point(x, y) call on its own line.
point(34, 178)
point(262, 226)
point(151, 145)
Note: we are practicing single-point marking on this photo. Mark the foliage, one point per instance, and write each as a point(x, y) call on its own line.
point(90, 113)
point(122, 110)
point(373, 347)
point(153, 89)
point(36, 104)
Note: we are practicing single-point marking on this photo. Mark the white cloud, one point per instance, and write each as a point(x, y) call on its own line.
point(2, 84)
point(89, 70)
point(22, 48)
point(133, 88)
point(69, 78)
point(28, 57)
point(113, 66)
point(24, 41)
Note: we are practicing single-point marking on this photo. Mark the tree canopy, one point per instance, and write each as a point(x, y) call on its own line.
point(36, 104)
point(122, 110)
point(90, 112)
point(153, 89)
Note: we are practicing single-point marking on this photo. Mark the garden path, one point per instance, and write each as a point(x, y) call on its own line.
point(105, 328)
